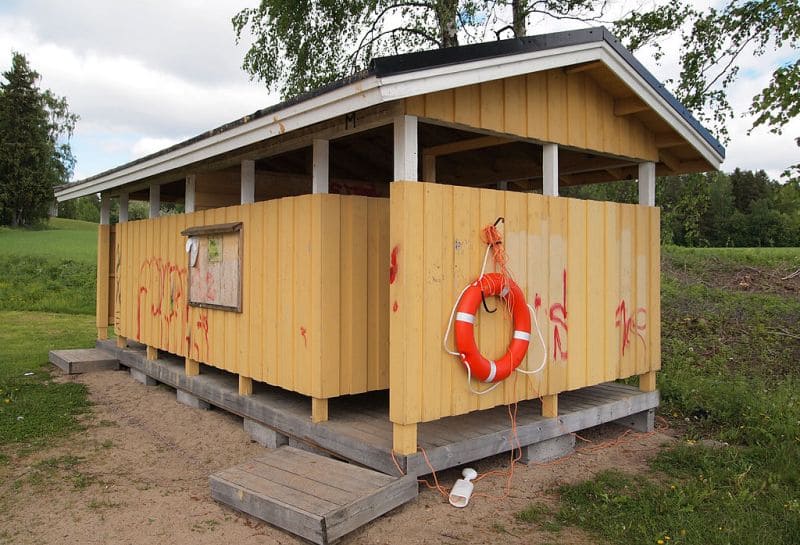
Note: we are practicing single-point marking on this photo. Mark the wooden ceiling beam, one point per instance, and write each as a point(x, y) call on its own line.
point(465, 145)
point(668, 140)
point(672, 162)
point(629, 106)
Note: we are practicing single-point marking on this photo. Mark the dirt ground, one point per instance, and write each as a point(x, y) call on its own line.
point(139, 474)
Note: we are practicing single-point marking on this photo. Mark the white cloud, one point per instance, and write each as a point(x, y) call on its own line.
point(147, 145)
point(146, 74)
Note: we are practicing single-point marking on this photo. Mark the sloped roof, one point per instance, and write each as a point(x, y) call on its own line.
point(401, 76)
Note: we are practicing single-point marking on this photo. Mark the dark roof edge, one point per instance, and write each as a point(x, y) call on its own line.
point(230, 125)
point(410, 62)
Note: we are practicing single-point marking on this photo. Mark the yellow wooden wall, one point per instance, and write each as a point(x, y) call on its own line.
point(550, 106)
point(603, 256)
point(315, 293)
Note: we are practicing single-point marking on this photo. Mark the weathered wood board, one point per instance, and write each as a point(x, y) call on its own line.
point(83, 360)
point(317, 498)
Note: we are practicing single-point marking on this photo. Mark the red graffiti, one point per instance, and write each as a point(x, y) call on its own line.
point(537, 302)
point(395, 306)
point(393, 265)
point(558, 315)
point(142, 291)
point(303, 333)
point(634, 324)
point(163, 291)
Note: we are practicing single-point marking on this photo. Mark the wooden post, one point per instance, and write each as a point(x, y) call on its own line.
point(647, 184)
point(405, 148)
point(319, 409)
point(123, 207)
point(246, 386)
point(105, 209)
point(320, 166)
point(152, 353)
point(189, 193)
point(103, 256)
point(248, 182)
point(155, 200)
point(550, 406)
point(550, 170)
point(191, 367)
point(122, 342)
point(647, 382)
point(404, 438)
point(429, 168)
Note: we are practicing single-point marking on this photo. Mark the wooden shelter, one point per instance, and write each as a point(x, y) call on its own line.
point(325, 239)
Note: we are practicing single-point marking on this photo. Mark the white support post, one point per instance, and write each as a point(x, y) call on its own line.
point(155, 200)
point(105, 209)
point(550, 170)
point(405, 148)
point(647, 184)
point(123, 207)
point(248, 182)
point(320, 166)
point(189, 194)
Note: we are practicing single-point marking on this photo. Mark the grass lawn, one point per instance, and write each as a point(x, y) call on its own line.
point(731, 347)
point(49, 270)
point(46, 302)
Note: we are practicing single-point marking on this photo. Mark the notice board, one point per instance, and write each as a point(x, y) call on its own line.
point(215, 266)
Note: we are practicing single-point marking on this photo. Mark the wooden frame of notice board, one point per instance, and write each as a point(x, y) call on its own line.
point(209, 282)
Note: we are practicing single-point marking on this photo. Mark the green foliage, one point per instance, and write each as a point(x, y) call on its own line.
point(35, 155)
point(744, 208)
point(729, 374)
point(712, 41)
point(83, 208)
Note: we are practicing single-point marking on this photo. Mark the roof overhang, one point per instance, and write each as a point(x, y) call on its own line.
point(383, 84)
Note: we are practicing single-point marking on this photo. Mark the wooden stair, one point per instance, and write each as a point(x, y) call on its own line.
point(83, 360)
point(314, 497)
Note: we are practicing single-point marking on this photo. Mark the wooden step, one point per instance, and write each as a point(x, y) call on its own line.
point(83, 360)
point(317, 498)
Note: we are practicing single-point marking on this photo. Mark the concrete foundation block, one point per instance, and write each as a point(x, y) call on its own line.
point(548, 450)
point(191, 401)
point(644, 421)
point(138, 376)
point(264, 436)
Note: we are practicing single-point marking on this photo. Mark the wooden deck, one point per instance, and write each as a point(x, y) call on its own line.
point(318, 498)
point(359, 429)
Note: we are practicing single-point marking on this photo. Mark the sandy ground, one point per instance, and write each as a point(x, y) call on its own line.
point(139, 474)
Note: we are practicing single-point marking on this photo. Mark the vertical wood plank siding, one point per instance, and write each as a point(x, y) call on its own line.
point(315, 293)
point(590, 269)
point(550, 106)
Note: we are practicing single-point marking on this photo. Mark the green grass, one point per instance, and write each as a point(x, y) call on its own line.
point(729, 373)
point(33, 408)
point(49, 270)
point(71, 240)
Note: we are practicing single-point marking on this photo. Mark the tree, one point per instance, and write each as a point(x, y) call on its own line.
point(302, 44)
point(35, 156)
point(713, 40)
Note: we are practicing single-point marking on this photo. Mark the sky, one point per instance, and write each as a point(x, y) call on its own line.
point(144, 75)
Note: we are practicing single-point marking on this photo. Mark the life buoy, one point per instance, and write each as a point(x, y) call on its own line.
point(481, 368)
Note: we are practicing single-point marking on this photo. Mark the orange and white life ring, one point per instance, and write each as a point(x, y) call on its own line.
point(481, 368)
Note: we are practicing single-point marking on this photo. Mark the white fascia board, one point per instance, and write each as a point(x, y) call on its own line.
point(469, 73)
point(447, 77)
point(341, 101)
